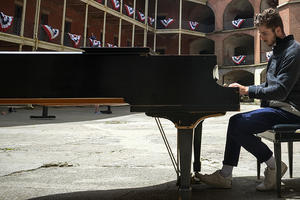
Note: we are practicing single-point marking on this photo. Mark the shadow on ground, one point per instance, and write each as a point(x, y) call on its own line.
point(243, 188)
point(63, 114)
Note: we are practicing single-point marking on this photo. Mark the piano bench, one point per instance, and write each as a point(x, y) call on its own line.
point(281, 133)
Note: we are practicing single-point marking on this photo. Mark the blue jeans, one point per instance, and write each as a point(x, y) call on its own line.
point(243, 127)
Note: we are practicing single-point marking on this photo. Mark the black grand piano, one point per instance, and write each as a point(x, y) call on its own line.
point(179, 88)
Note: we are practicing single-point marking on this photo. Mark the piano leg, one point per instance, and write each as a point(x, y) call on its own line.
point(197, 147)
point(185, 138)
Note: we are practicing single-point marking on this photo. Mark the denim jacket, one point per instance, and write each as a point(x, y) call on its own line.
point(283, 75)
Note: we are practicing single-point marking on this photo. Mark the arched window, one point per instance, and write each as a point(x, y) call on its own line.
point(238, 10)
point(238, 45)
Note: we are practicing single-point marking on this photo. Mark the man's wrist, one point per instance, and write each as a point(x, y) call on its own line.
point(247, 90)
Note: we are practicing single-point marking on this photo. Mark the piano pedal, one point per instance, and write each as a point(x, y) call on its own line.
point(195, 179)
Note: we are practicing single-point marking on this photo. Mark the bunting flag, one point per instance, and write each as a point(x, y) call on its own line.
point(116, 4)
point(51, 32)
point(167, 22)
point(269, 54)
point(5, 21)
point(99, 1)
point(193, 25)
point(94, 42)
point(238, 59)
point(111, 45)
point(141, 16)
point(237, 23)
point(75, 39)
point(151, 20)
point(129, 10)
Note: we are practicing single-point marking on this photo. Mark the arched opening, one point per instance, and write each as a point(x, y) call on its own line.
point(238, 9)
point(165, 18)
point(202, 46)
point(239, 45)
point(264, 4)
point(201, 14)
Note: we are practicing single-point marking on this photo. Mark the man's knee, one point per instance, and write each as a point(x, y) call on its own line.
point(236, 124)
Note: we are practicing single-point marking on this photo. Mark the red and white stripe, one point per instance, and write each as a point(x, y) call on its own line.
point(141, 16)
point(129, 10)
point(111, 45)
point(167, 22)
point(238, 59)
point(5, 21)
point(238, 23)
point(151, 20)
point(51, 32)
point(94, 43)
point(116, 4)
point(193, 25)
point(75, 39)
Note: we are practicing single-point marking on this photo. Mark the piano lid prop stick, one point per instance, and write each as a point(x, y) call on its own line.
point(172, 157)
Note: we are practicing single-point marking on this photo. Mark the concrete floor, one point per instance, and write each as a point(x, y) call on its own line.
point(82, 155)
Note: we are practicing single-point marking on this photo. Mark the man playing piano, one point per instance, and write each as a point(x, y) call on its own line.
point(280, 96)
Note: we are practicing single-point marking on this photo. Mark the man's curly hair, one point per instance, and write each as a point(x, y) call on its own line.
point(269, 18)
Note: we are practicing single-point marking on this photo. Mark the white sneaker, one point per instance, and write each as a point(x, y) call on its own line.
point(216, 180)
point(270, 178)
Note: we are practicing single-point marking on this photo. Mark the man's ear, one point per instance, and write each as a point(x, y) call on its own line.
point(278, 31)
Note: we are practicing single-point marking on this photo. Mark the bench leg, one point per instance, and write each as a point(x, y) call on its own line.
point(258, 166)
point(258, 170)
point(277, 152)
point(290, 152)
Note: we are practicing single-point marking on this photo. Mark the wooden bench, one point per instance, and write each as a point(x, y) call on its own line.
point(45, 102)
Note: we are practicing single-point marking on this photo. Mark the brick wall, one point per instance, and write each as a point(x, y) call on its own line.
point(295, 20)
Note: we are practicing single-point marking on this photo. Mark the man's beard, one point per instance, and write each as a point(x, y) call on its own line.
point(273, 41)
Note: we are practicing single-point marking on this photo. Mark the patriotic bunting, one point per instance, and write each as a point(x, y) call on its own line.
point(238, 59)
point(269, 54)
point(94, 42)
point(75, 39)
point(129, 10)
point(99, 1)
point(193, 25)
point(151, 20)
point(237, 23)
point(141, 16)
point(51, 32)
point(5, 21)
point(111, 45)
point(167, 22)
point(116, 4)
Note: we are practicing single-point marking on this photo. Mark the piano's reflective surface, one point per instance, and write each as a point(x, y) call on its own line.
point(179, 88)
